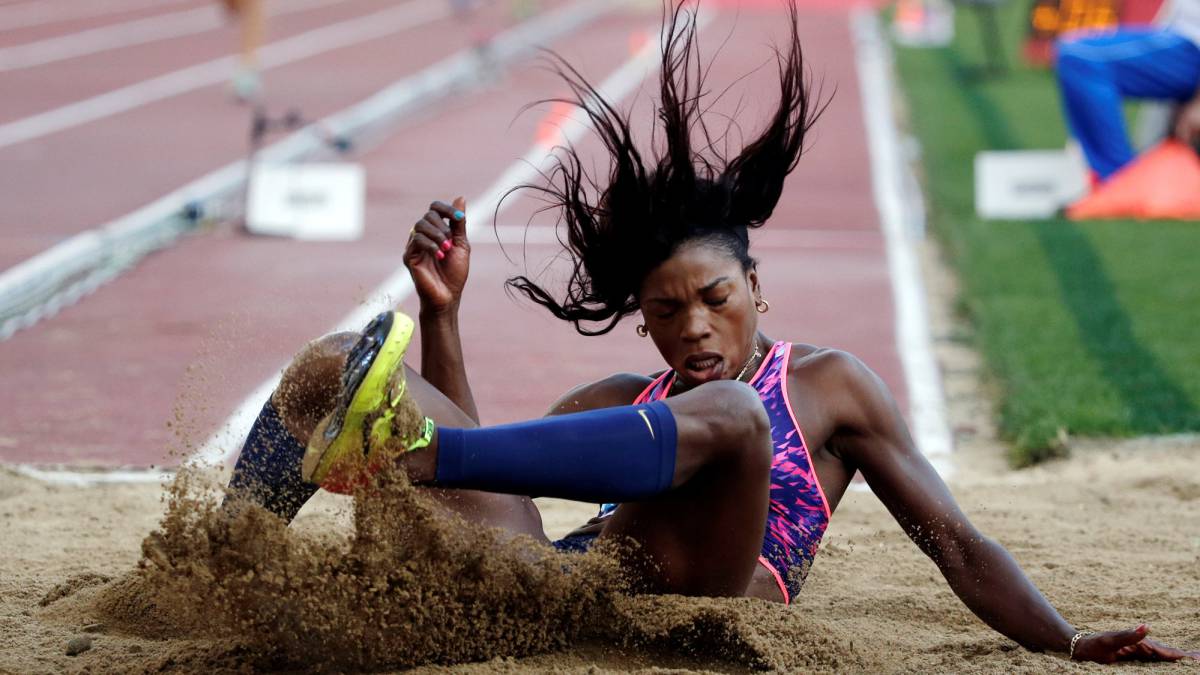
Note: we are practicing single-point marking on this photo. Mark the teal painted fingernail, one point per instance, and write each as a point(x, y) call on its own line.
point(459, 215)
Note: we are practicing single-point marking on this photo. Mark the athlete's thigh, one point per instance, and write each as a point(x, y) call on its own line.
point(511, 513)
point(701, 539)
point(434, 403)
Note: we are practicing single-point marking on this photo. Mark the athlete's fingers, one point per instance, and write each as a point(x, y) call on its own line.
point(444, 210)
point(1105, 647)
point(456, 215)
point(458, 220)
point(421, 244)
point(1122, 638)
point(434, 228)
point(1157, 651)
point(1127, 650)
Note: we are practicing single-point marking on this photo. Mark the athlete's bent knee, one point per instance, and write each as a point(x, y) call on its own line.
point(309, 386)
point(738, 422)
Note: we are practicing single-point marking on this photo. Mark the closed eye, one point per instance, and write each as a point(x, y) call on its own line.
point(717, 303)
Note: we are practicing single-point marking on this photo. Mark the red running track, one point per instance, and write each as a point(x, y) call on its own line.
point(153, 362)
point(60, 184)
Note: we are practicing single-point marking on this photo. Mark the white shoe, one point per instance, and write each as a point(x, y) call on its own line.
point(246, 85)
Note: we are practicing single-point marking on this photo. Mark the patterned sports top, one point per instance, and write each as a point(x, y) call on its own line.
point(799, 512)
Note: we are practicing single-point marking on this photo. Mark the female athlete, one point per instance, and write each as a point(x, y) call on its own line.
point(726, 467)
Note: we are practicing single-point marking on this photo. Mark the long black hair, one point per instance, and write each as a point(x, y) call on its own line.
point(617, 234)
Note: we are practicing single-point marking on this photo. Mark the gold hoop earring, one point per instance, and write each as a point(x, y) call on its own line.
point(641, 330)
point(762, 306)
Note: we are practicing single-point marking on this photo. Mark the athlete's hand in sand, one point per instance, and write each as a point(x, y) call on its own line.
point(1127, 645)
point(438, 256)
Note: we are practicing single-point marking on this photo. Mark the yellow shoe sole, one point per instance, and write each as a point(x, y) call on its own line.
point(338, 451)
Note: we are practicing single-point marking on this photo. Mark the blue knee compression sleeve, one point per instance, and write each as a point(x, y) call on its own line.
point(608, 455)
point(268, 470)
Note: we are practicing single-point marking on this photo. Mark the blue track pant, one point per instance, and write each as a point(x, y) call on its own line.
point(1095, 71)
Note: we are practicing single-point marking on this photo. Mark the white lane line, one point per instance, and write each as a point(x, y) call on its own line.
point(514, 234)
point(41, 12)
point(290, 50)
point(133, 33)
point(915, 344)
point(76, 478)
point(58, 277)
point(225, 443)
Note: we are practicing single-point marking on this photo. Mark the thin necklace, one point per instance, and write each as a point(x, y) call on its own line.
point(678, 389)
point(752, 359)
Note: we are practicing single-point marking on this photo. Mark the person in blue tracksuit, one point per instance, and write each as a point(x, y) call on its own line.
point(1097, 70)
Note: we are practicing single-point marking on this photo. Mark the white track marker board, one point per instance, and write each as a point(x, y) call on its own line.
point(1014, 184)
point(307, 201)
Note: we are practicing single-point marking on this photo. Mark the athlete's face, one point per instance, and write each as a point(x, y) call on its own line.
point(699, 309)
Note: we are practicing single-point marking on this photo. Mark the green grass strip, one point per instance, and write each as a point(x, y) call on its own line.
point(1085, 327)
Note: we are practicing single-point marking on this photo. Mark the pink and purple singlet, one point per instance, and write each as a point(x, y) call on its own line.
point(798, 512)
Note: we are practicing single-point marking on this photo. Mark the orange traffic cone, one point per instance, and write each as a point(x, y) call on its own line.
point(1164, 182)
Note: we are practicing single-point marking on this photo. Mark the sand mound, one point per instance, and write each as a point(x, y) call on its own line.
point(236, 588)
point(741, 631)
point(411, 586)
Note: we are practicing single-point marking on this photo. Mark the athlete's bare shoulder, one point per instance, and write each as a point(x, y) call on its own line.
point(833, 375)
point(849, 392)
point(810, 362)
point(614, 390)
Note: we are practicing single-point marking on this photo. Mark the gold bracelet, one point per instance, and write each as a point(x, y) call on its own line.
point(1075, 640)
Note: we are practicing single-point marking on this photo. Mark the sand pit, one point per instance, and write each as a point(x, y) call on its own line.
point(1111, 535)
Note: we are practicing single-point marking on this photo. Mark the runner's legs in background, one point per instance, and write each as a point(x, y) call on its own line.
point(247, 82)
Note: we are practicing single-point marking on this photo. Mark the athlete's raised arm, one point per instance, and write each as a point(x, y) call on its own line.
point(438, 256)
point(872, 436)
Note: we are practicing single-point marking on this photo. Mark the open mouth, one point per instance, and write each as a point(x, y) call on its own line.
point(704, 367)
